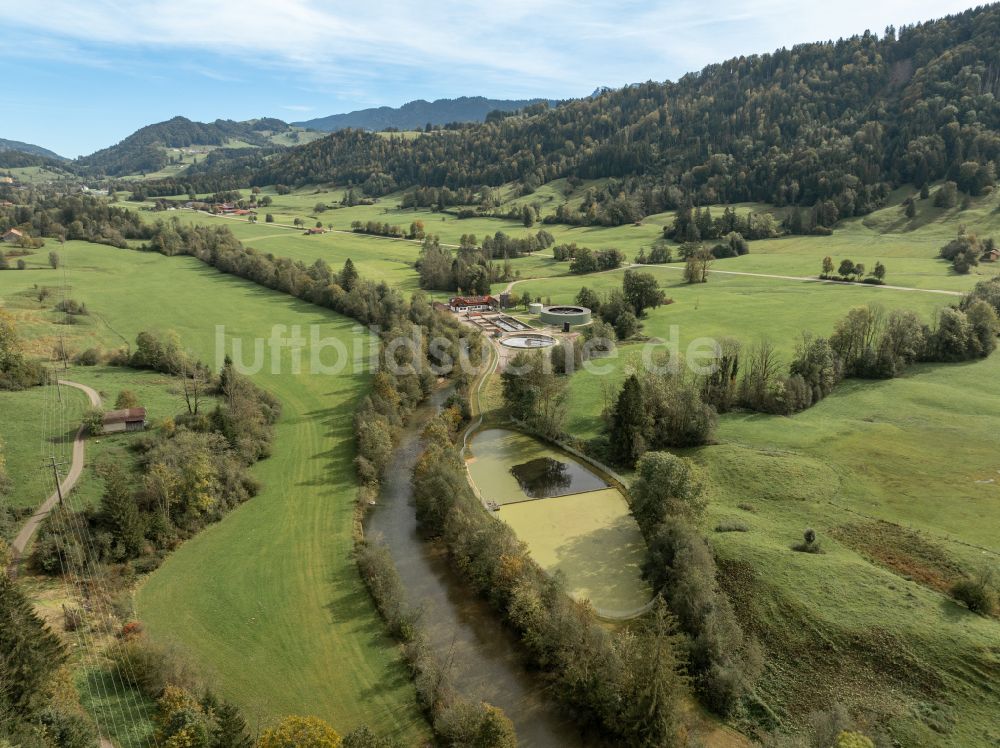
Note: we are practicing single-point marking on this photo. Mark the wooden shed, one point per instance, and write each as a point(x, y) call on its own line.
point(130, 419)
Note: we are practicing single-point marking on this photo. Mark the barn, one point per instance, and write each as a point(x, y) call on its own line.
point(130, 419)
point(12, 236)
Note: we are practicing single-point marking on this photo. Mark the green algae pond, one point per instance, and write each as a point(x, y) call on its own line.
point(574, 523)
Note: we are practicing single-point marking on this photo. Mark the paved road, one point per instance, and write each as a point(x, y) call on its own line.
point(76, 469)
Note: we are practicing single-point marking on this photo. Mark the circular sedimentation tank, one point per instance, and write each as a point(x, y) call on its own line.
point(529, 340)
point(562, 315)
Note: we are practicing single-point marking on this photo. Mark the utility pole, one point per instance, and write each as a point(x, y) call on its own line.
point(55, 474)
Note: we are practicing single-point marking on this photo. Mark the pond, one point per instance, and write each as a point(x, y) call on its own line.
point(572, 521)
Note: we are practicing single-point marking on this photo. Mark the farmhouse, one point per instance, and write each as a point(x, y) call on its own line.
point(473, 303)
point(130, 419)
point(12, 236)
point(6, 180)
point(312, 231)
point(992, 255)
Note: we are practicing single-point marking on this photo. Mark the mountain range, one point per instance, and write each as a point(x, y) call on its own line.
point(415, 115)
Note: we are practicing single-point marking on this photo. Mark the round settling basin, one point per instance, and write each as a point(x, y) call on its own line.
point(529, 341)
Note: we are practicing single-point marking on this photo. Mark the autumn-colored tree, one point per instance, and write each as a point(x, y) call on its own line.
point(300, 732)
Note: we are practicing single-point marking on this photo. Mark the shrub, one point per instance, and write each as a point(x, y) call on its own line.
point(809, 543)
point(475, 725)
point(93, 420)
point(731, 526)
point(152, 667)
point(89, 357)
point(67, 728)
point(127, 399)
point(363, 737)
point(975, 595)
point(72, 618)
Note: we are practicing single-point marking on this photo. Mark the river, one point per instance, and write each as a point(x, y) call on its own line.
point(463, 630)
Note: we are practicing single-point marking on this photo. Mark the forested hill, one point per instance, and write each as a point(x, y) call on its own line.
point(837, 121)
point(416, 115)
point(28, 148)
point(143, 150)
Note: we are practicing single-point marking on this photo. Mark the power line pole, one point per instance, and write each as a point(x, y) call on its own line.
point(55, 474)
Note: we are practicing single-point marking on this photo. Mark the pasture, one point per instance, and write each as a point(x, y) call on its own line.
point(908, 247)
point(870, 454)
point(898, 478)
point(270, 591)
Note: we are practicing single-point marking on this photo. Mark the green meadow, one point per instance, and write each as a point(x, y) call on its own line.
point(899, 478)
point(907, 246)
point(268, 601)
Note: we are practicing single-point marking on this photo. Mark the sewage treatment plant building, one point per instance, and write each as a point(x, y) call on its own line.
point(559, 316)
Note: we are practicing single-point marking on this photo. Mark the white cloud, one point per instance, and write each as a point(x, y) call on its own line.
point(517, 47)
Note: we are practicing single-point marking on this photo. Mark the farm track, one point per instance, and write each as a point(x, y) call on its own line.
point(797, 278)
point(20, 543)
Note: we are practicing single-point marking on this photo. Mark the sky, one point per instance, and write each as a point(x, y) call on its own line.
point(79, 76)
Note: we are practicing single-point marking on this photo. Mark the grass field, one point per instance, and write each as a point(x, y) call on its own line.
point(908, 247)
point(872, 451)
point(899, 478)
point(271, 590)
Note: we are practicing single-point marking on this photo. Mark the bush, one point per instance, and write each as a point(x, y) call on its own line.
point(68, 729)
point(809, 543)
point(127, 399)
point(975, 595)
point(93, 420)
point(731, 526)
point(152, 667)
point(363, 737)
point(475, 725)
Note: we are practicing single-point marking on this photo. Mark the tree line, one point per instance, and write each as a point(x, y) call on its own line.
point(627, 684)
point(669, 406)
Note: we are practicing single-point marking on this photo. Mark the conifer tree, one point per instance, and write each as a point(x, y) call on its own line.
point(628, 423)
point(120, 513)
point(29, 652)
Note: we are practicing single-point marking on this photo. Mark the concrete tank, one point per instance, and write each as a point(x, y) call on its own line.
point(534, 308)
point(560, 316)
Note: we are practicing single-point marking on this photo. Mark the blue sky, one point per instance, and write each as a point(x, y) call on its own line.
point(78, 76)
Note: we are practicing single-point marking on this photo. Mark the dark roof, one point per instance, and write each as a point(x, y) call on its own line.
point(130, 415)
point(472, 300)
